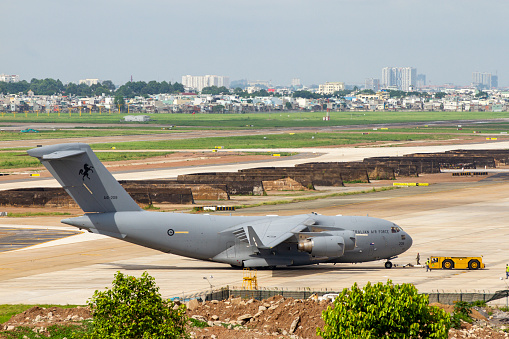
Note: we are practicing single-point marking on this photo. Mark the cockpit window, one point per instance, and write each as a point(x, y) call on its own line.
point(395, 229)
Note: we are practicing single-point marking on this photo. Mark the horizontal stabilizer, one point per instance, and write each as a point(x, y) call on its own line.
point(61, 155)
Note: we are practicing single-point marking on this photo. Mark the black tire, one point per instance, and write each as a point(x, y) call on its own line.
point(447, 264)
point(474, 264)
point(388, 264)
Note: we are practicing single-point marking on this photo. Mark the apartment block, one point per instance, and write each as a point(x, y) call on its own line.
point(402, 78)
point(372, 84)
point(484, 80)
point(200, 82)
point(331, 87)
point(9, 78)
point(89, 82)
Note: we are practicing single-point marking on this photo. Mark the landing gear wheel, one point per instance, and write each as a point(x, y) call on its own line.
point(447, 264)
point(474, 264)
point(388, 264)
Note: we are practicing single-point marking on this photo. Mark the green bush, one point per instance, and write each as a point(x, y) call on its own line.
point(462, 312)
point(133, 308)
point(384, 311)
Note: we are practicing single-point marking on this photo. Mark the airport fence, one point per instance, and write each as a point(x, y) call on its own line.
point(448, 298)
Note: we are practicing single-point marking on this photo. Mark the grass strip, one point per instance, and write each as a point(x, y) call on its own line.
point(9, 160)
point(284, 140)
point(255, 120)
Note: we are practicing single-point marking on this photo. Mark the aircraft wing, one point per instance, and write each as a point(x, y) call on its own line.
point(268, 233)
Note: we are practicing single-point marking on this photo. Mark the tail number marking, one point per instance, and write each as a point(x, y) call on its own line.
point(110, 197)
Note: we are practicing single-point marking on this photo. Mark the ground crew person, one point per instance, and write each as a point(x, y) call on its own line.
point(418, 258)
point(506, 271)
point(427, 265)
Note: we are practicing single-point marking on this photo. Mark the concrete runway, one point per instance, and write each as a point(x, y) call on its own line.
point(444, 219)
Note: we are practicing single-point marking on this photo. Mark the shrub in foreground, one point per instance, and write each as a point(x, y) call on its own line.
point(384, 311)
point(133, 308)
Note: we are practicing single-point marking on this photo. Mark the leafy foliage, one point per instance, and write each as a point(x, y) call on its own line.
point(462, 312)
point(133, 308)
point(384, 311)
point(51, 87)
point(214, 90)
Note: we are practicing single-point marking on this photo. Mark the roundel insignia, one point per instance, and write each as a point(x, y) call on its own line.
point(171, 232)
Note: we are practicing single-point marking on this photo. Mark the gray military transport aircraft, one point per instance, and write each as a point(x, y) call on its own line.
point(241, 241)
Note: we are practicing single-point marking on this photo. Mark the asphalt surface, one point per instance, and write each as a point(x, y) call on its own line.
point(443, 219)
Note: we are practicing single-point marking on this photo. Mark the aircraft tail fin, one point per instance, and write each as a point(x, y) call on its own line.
point(84, 177)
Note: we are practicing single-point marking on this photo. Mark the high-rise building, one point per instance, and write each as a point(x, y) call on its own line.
point(9, 78)
point(494, 81)
point(389, 77)
point(200, 82)
point(484, 80)
point(408, 78)
point(421, 80)
point(402, 78)
point(372, 84)
point(296, 82)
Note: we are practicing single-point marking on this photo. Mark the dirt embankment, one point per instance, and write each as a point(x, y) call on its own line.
point(276, 317)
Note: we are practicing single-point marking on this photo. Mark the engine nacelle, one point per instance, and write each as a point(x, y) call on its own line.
point(329, 246)
point(349, 238)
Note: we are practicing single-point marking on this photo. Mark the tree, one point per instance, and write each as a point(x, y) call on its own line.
point(109, 85)
point(133, 308)
point(384, 311)
point(214, 90)
point(306, 95)
point(440, 95)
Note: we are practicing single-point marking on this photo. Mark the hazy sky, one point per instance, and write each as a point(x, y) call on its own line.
point(316, 41)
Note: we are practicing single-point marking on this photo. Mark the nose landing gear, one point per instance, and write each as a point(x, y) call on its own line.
point(388, 264)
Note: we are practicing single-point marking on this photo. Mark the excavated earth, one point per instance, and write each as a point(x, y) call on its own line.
point(237, 318)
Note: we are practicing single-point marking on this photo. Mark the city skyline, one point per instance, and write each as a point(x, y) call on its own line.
point(318, 42)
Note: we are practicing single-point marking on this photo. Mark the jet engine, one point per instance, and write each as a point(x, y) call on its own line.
point(326, 246)
point(333, 245)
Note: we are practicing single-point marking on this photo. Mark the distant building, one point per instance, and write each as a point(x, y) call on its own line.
point(262, 83)
point(89, 82)
point(372, 84)
point(402, 78)
point(484, 80)
point(331, 87)
point(201, 81)
point(390, 77)
point(421, 80)
point(408, 78)
point(494, 81)
point(296, 82)
point(9, 78)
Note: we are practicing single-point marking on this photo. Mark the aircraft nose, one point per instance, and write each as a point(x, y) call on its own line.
point(409, 240)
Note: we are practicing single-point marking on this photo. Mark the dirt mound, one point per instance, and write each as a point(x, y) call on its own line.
point(40, 317)
point(237, 318)
point(273, 316)
point(450, 309)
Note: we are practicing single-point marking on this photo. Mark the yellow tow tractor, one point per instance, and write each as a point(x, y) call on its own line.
point(459, 263)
